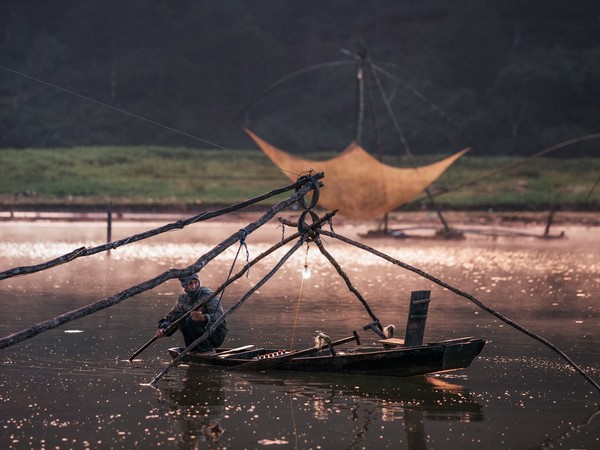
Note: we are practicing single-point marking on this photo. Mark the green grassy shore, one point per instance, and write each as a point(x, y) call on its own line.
point(165, 177)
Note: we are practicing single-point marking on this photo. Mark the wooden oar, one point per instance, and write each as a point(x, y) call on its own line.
point(277, 361)
point(142, 348)
point(171, 328)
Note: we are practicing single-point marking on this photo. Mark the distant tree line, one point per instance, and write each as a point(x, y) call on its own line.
point(513, 76)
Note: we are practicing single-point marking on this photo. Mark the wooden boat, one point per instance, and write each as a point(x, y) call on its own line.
point(394, 357)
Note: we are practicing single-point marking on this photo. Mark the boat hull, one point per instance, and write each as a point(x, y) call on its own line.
point(397, 362)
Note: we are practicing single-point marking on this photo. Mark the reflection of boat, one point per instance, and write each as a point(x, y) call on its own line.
point(438, 399)
point(197, 413)
point(396, 357)
point(408, 403)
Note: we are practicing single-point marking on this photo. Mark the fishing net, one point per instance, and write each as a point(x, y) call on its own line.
point(356, 183)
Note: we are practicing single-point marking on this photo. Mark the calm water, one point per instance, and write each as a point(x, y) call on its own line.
point(72, 387)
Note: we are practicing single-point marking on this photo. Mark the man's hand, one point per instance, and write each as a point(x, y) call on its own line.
point(160, 333)
point(198, 316)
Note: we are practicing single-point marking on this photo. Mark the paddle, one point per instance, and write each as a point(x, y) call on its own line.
point(171, 328)
point(277, 361)
point(142, 348)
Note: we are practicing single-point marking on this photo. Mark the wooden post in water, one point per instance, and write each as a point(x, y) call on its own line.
point(109, 226)
point(549, 221)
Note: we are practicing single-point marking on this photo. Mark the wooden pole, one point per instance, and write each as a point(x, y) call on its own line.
point(509, 167)
point(589, 194)
point(425, 100)
point(227, 313)
point(107, 302)
point(468, 297)
point(220, 289)
point(344, 276)
point(109, 226)
point(549, 221)
point(231, 310)
point(367, 72)
point(404, 143)
point(83, 251)
point(109, 223)
point(360, 94)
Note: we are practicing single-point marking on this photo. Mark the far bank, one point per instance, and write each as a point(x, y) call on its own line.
point(180, 179)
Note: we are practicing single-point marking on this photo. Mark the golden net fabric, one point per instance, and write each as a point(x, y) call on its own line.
point(356, 183)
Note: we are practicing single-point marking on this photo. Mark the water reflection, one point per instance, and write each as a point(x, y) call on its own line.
point(202, 406)
point(70, 386)
point(558, 441)
point(196, 408)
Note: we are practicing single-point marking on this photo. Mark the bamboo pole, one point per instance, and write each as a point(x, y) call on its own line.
point(468, 297)
point(231, 310)
point(360, 97)
point(589, 194)
point(404, 143)
point(7, 341)
point(221, 288)
point(109, 222)
point(83, 251)
point(109, 225)
point(549, 221)
point(425, 100)
point(344, 276)
point(227, 313)
point(493, 173)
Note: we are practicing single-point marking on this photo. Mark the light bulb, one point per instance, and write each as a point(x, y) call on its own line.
point(306, 272)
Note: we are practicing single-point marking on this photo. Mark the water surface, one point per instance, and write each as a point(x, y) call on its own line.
point(72, 387)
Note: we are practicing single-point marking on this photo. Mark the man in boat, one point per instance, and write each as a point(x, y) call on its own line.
point(199, 321)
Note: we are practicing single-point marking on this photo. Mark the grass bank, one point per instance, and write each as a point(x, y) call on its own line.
point(171, 177)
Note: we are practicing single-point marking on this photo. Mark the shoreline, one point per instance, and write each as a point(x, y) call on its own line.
point(453, 217)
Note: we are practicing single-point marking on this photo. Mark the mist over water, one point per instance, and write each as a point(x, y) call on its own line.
point(72, 387)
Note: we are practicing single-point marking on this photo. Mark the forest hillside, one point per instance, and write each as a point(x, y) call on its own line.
point(515, 75)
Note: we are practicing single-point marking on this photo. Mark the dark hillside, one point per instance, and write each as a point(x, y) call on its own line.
point(517, 75)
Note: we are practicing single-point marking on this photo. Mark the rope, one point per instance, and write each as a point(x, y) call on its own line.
point(244, 234)
point(114, 108)
point(593, 187)
point(509, 167)
point(292, 340)
point(296, 316)
point(282, 225)
point(243, 244)
point(306, 235)
point(130, 114)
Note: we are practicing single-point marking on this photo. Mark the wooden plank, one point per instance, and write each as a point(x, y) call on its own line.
point(417, 317)
point(233, 351)
point(417, 302)
point(279, 361)
point(391, 342)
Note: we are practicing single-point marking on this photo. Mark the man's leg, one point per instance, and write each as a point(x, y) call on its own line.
point(191, 331)
point(218, 336)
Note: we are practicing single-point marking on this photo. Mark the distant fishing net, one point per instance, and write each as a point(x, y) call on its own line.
point(358, 184)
